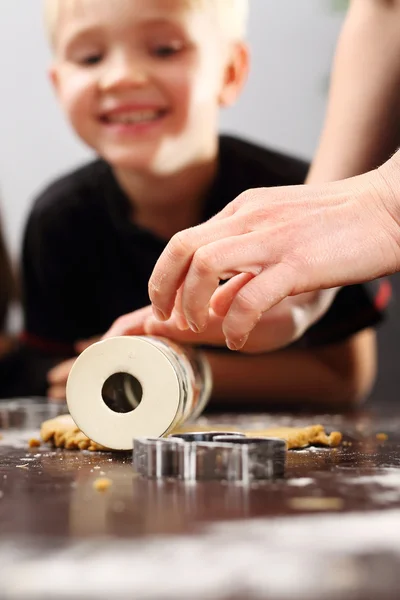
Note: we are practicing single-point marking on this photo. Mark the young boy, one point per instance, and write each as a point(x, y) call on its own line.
point(142, 83)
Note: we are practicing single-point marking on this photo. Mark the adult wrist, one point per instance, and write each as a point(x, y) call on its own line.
point(387, 187)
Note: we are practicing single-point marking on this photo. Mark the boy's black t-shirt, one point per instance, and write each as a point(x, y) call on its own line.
point(85, 262)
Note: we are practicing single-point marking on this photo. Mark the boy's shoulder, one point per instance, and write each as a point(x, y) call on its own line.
point(259, 166)
point(244, 165)
point(65, 193)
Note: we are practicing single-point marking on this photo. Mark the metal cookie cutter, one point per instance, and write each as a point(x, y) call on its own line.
point(200, 457)
point(211, 455)
point(204, 436)
point(156, 458)
point(254, 457)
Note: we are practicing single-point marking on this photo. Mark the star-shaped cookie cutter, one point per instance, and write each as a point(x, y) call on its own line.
point(212, 455)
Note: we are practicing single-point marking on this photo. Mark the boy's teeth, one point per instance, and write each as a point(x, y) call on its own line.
point(136, 117)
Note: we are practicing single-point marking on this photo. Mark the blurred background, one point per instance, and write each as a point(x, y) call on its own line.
point(292, 43)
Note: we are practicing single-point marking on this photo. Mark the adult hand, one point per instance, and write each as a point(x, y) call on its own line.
point(278, 242)
point(281, 325)
point(130, 324)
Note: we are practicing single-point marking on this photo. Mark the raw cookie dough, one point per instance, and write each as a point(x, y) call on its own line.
point(295, 437)
point(63, 433)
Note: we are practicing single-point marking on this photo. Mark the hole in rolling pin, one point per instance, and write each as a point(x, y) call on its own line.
point(122, 392)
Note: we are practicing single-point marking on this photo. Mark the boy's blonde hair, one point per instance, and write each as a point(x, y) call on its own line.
point(232, 14)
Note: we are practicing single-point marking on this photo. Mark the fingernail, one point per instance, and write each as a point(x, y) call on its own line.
point(178, 319)
point(238, 345)
point(159, 315)
point(181, 323)
point(231, 345)
point(194, 327)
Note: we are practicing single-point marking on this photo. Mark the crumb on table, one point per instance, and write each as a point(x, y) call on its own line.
point(34, 443)
point(315, 503)
point(382, 437)
point(101, 484)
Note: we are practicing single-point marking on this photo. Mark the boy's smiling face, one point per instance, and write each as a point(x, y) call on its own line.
point(142, 81)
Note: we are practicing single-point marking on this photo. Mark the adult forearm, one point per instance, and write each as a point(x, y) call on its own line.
point(363, 116)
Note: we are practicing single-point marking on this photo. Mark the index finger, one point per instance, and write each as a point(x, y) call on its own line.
point(172, 266)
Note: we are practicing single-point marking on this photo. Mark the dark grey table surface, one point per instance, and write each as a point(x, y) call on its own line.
point(330, 528)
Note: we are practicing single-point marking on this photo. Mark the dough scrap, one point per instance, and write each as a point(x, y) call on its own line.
point(63, 433)
point(102, 484)
point(295, 437)
point(315, 503)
